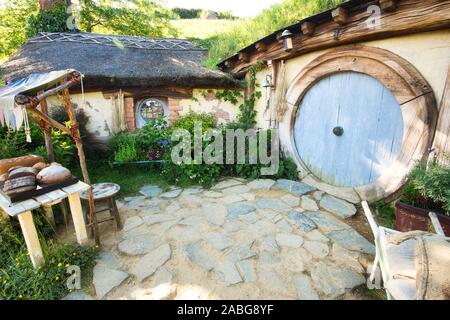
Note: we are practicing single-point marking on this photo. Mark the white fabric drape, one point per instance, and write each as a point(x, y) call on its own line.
point(11, 115)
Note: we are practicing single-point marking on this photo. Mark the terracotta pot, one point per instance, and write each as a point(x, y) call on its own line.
point(409, 218)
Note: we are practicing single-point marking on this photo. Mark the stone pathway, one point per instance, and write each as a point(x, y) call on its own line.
point(259, 240)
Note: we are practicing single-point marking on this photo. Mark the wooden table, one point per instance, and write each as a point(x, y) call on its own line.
point(22, 210)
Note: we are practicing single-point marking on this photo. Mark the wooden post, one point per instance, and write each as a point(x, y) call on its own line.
point(78, 218)
point(31, 238)
point(75, 132)
point(47, 134)
point(441, 145)
point(48, 211)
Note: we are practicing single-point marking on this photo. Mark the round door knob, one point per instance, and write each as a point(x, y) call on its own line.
point(338, 131)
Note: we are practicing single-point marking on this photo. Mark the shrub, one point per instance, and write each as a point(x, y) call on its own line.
point(19, 279)
point(429, 188)
point(191, 173)
point(188, 121)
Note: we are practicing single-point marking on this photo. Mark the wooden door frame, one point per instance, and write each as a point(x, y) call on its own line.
point(413, 94)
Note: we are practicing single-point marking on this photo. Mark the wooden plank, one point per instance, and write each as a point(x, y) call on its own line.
point(18, 208)
point(76, 188)
point(51, 197)
point(31, 238)
point(436, 224)
point(47, 135)
point(78, 218)
point(48, 211)
point(434, 15)
point(441, 143)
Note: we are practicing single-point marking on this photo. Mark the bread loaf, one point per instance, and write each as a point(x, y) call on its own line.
point(53, 174)
point(21, 182)
point(19, 190)
point(22, 172)
point(25, 161)
point(4, 177)
point(40, 166)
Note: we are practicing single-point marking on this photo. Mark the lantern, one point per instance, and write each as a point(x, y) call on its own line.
point(286, 36)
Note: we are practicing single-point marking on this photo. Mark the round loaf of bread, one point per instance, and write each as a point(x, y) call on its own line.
point(22, 172)
point(40, 166)
point(21, 182)
point(53, 174)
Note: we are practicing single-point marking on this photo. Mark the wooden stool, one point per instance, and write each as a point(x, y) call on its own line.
point(106, 192)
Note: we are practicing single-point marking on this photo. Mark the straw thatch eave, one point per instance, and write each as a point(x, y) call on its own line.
point(118, 63)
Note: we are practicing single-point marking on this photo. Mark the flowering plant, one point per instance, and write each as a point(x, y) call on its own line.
point(429, 188)
point(157, 152)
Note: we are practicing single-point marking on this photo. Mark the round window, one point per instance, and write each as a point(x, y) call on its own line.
point(150, 109)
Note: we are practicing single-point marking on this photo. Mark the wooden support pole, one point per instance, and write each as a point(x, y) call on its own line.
point(47, 135)
point(441, 144)
point(48, 211)
point(25, 100)
point(48, 120)
point(31, 238)
point(76, 137)
point(78, 218)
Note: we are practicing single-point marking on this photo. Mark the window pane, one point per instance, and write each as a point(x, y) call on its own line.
point(152, 109)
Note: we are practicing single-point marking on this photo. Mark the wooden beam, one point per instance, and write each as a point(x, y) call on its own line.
point(25, 100)
point(388, 5)
point(243, 57)
point(47, 134)
point(434, 15)
point(48, 120)
point(441, 143)
point(340, 15)
point(31, 238)
point(308, 28)
point(78, 218)
point(76, 137)
point(260, 46)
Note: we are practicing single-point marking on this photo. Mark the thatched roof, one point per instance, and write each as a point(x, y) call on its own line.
point(116, 61)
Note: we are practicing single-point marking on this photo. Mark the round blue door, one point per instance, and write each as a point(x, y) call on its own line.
point(348, 129)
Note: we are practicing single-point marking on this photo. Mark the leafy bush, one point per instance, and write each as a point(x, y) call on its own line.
point(188, 121)
point(429, 188)
point(18, 278)
point(54, 20)
point(184, 13)
point(191, 173)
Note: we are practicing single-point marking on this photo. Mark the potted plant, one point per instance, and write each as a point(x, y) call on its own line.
point(428, 189)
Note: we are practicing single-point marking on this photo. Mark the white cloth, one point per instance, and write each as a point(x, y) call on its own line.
point(11, 114)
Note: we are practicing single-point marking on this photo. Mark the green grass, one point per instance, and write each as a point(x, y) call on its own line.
point(202, 29)
point(130, 177)
point(224, 44)
point(384, 214)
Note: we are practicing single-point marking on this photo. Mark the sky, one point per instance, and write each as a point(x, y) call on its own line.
point(241, 8)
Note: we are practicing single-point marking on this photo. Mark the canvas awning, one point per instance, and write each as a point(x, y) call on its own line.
point(11, 114)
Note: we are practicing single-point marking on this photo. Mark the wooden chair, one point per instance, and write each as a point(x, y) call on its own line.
point(396, 262)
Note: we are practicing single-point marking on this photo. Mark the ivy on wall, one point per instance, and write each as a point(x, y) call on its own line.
point(54, 20)
point(247, 115)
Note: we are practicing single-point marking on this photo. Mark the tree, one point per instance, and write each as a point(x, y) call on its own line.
point(127, 17)
point(47, 5)
point(13, 24)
